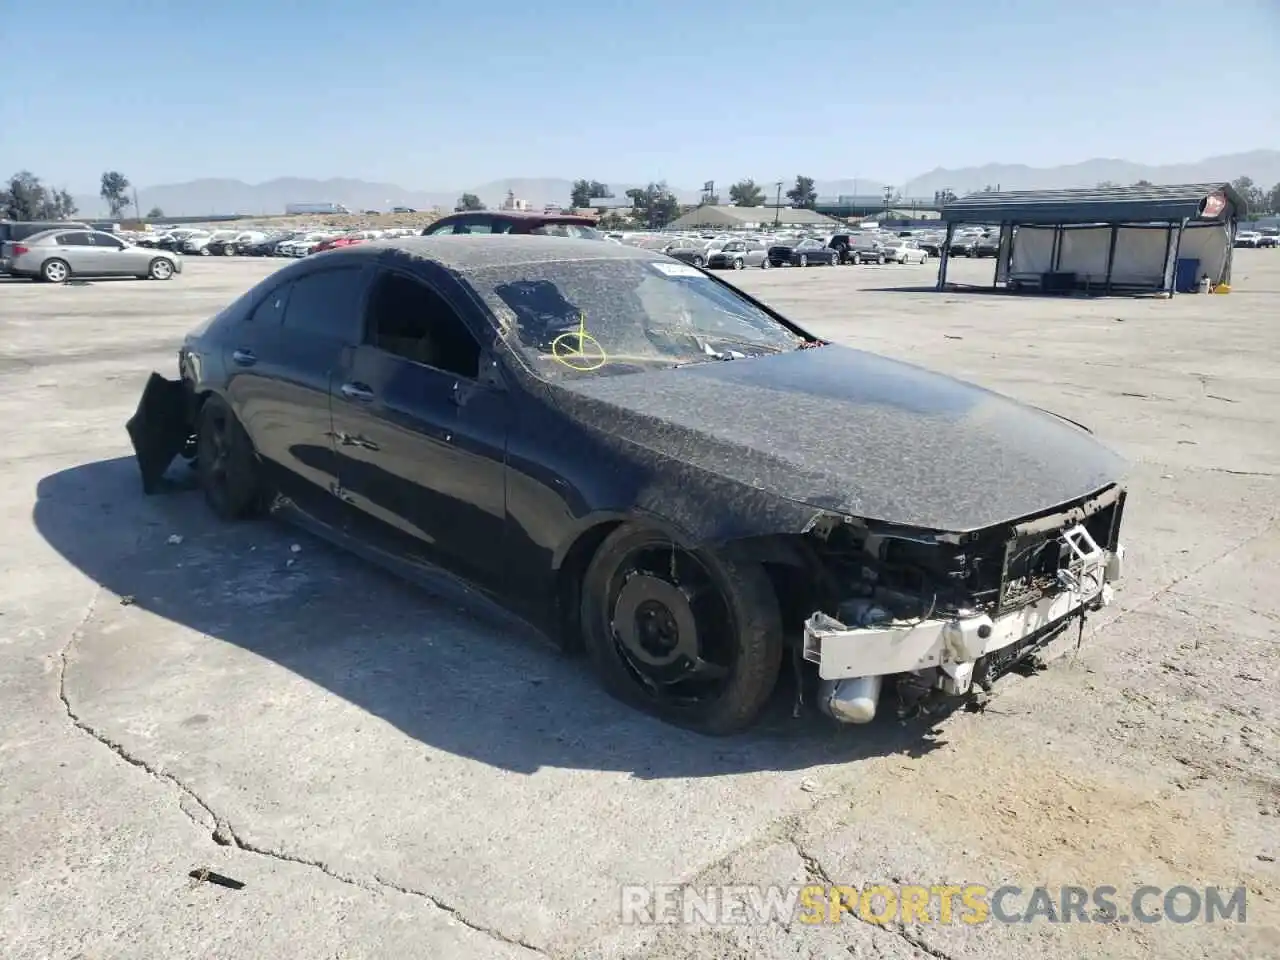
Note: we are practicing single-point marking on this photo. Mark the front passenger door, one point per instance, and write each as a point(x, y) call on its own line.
point(420, 435)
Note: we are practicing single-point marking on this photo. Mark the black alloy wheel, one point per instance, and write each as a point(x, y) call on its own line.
point(688, 636)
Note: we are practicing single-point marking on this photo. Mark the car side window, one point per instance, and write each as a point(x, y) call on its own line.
point(270, 312)
point(473, 225)
point(76, 239)
point(104, 240)
point(326, 304)
point(438, 228)
point(407, 318)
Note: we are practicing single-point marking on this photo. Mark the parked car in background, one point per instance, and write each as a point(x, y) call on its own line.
point(738, 254)
point(1247, 238)
point(1268, 237)
point(21, 229)
point(515, 221)
point(871, 247)
point(230, 246)
point(804, 253)
point(689, 249)
point(902, 250)
point(987, 246)
point(56, 256)
point(965, 245)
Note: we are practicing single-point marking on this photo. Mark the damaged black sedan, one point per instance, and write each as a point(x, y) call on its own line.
point(647, 464)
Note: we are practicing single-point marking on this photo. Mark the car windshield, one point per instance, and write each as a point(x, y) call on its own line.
point(589, 318)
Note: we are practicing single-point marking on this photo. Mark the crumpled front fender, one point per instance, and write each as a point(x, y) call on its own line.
point(159, 428)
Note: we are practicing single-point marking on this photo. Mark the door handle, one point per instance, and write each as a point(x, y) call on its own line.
point(356, 391)
point(244, 357)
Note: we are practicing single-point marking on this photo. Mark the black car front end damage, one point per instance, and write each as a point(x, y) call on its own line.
point(942, 615)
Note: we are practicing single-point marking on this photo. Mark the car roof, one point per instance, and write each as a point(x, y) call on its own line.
point(520, 215)
point(54, 231)
point(464, 254)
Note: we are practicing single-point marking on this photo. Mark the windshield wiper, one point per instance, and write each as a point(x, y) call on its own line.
point(711, 354)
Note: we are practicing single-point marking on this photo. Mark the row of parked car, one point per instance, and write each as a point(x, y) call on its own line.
point(257, 243)
point(739, 253)
point(1266, 237)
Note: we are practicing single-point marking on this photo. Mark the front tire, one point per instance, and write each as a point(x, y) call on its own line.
point(226, 463)
point(804, 259)
point(699, 262)
point(55, 271)
point(766, 264)
point(738, 264)
point(688, 636)
point(160, 269)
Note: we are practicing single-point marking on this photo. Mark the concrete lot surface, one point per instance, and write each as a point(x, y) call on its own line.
point(391, 776)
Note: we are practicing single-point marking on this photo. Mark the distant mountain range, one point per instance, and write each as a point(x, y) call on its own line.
point(234, 196)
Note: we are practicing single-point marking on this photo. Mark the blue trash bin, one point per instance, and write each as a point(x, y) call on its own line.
point(1186, 275)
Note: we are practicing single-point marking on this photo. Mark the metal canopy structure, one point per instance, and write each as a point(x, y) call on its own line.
point(1086, 227)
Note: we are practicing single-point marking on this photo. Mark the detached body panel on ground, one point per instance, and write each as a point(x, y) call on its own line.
point(642, 460)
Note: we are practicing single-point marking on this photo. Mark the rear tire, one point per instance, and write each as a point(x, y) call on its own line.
point(747, 634)
point(699, 262)
point(55, 271)
point(804, 259)
point(229, 250)
point(766, 264)
point(738, 264)
point(226, 463)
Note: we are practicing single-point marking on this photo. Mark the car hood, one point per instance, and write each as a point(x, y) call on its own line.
point(854, 433)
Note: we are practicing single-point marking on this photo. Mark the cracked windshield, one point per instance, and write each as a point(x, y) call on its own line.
point(607, 317)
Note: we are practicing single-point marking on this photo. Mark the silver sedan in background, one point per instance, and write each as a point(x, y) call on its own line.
point(57, 255)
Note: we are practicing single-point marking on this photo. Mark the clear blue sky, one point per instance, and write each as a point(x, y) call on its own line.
point(445, 95)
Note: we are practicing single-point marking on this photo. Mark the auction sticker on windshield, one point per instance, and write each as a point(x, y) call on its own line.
point(676, 269)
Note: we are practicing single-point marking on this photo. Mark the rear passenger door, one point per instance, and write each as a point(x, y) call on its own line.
point(281, 360)
point(76, 248)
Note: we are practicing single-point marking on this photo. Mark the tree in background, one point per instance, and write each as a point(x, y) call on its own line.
point(115, 190)
point(745, 193)
point(1106, 185)
point(584, 191)
point(654, 205)
point(468, 201)
point(155, 213)
point(1272, 201)
point(803, 195)
point(1252, 193)
point(1144, 183)
point(24, 197)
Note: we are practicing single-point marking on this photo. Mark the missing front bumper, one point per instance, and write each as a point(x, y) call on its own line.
point(853, 661)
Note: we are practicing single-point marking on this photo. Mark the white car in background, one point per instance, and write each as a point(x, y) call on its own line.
point(196, 241)
point(903, 250)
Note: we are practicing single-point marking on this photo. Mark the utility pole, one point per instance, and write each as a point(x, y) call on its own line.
point(777, 209)
point(137, 210)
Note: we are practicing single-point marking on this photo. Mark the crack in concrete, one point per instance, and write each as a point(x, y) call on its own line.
point(223, 833)
point(815, 871)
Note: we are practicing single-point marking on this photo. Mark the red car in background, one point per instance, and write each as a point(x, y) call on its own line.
point(338, 243)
